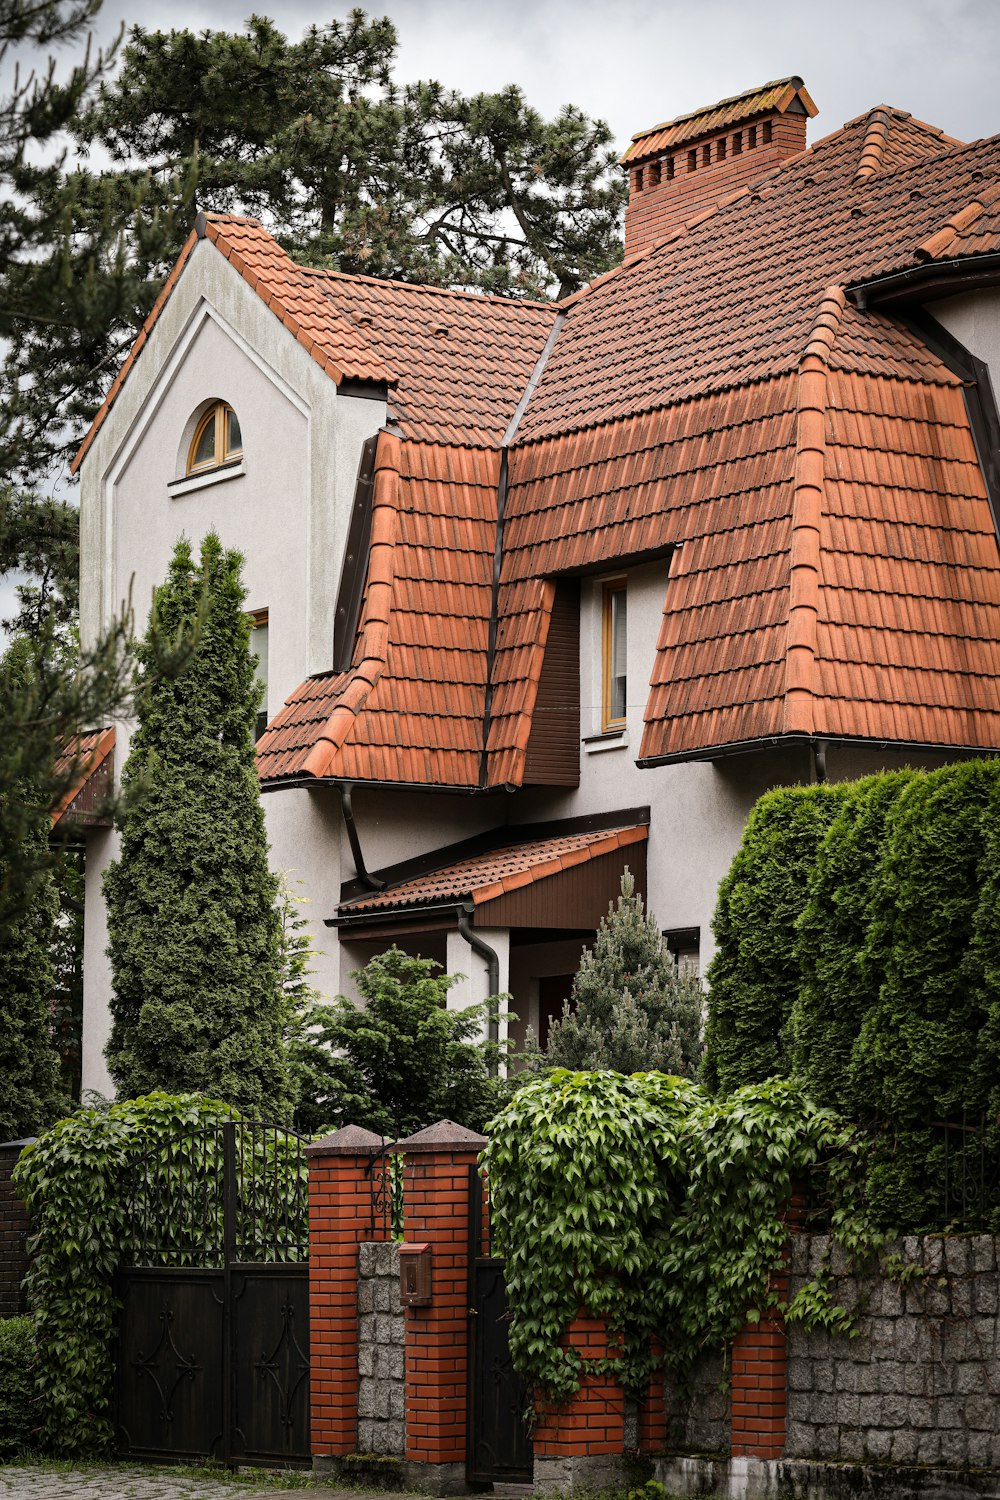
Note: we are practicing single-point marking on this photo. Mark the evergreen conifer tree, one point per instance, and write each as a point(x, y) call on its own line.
point(30, 1090)
point(635, 1011)
point(193, 927)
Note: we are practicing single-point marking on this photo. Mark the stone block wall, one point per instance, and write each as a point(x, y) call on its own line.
point(13, 1235)
point(381, 1353)
point(920, 1384)
point(702, 1423)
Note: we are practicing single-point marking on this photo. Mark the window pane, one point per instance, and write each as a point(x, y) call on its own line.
point(258, 648)
point(618, 696)
point(204, 453)
point(234, 438)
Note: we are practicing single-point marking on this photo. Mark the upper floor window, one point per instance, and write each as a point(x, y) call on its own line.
point(613, 655)
point(217, 440)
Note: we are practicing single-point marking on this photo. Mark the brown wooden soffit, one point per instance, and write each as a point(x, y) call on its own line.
point(562, 882)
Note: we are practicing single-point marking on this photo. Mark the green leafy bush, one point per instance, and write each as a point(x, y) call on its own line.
point(75, 1181)
point(401, 1060)
point(837, 986)
point(635, 1010)
point(649, 1204)
point(17, 1414)
point(754, 977)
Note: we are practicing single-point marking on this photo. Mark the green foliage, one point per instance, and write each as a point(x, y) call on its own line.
point(192, 923)
point(755, 975)
point(634, 1010)
point(306, 1061)
point(353, 171)
point(649, 1204)
point(917, 1056)
point(31, 1095)
point(75, 1181)
point(838, 987)
point(401, 1060)
point(984, 960)
point(17, 1413)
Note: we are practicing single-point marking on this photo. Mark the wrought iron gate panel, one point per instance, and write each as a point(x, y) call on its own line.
point(270, 1343)
point(498, 1446)
point(170, 1364)
point(213, 1348)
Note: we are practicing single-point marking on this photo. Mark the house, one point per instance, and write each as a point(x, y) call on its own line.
point(542, 591)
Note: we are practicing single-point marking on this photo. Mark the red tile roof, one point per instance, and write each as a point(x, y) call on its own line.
point(768, 98)
point(459, 361)
point(836, 572)
point(411, 707)
point(80, 758)
point(484, 877)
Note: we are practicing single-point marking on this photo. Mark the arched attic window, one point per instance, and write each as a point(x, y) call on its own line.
point(217, 440)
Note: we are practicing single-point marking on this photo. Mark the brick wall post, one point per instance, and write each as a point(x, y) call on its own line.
point(652, 1435)
point(340, 1217)
point(13, 1234)
point(436, 1213)
point(580, 1445)
point(759, 1389)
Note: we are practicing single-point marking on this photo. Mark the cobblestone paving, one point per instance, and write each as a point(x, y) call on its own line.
point(133, 1482)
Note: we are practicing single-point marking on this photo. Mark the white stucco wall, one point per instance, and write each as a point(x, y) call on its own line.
point(974, 319)
point(287, 513)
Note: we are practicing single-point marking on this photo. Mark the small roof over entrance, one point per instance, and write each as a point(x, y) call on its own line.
point(564, 881)
point(84, 769)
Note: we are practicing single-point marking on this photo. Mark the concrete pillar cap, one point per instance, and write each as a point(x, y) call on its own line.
point(349, 1140)
point(444, 1136)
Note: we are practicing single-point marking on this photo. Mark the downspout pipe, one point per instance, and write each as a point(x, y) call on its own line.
point(370, 882)
point(819, 760)
point(484, 950)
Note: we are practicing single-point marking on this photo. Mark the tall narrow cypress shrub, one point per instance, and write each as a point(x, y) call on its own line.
point(31, 1094)
point(838, 986)
point(916, 1059)
point(754, 977)
point(191, 901)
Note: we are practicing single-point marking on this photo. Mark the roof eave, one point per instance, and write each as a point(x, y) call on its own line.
point(945, 278)
point(808, 741)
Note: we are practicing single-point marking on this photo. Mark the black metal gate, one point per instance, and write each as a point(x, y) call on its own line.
point(498, 1448)
point(213, 1347)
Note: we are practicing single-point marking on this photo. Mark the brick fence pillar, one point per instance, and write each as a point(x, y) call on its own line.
point(759, 1391)
point(340, 1217)
point(436, 1213)
point(580, 1445)
point(14, 1228)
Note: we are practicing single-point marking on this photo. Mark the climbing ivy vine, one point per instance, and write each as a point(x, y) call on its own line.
point(74, 1180)
point(646, 1202)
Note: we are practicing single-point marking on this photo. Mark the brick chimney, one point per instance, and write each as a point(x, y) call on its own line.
point(685, 165)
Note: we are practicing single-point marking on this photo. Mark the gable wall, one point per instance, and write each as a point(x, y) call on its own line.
point(288, 514)
point(974, 319)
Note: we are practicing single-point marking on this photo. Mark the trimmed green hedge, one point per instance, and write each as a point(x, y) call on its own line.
point(838, 984)
point(754, 977)
point(17, 1413)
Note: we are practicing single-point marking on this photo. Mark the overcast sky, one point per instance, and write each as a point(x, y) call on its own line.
point(636, 62)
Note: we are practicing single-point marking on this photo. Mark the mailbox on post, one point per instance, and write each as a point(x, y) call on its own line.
point(415, 1275)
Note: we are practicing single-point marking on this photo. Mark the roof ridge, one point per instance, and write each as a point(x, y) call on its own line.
point(793, 79)
point(807, 501)
point(874, 144)
point(322, 273)
point(373, 635)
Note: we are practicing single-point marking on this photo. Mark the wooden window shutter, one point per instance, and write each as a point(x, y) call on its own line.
point(553, 754)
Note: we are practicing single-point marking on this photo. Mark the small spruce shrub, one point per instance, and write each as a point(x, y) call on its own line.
point(635, 1010)
point(18, 1420)
point(754, 977)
